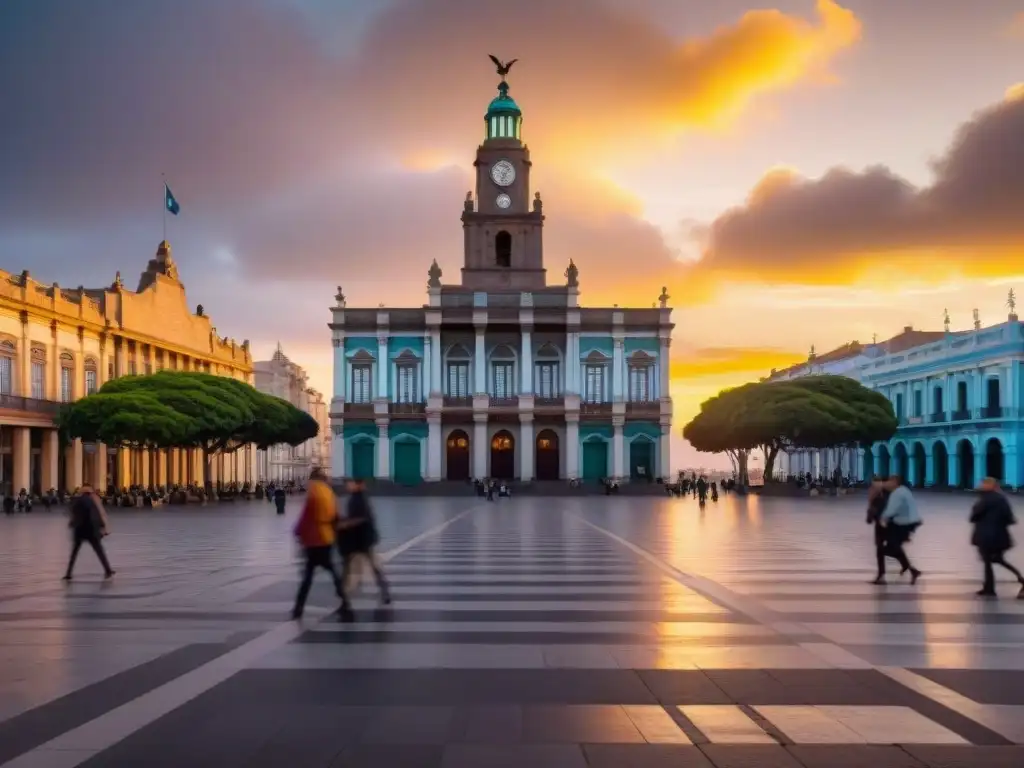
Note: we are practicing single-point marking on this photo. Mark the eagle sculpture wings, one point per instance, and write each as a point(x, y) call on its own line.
point(503, 67)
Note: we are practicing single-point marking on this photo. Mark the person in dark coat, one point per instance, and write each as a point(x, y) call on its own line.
point(357, 541)
point(992, 518)
point(878, 496)
point(88, 523)
point(280, 499)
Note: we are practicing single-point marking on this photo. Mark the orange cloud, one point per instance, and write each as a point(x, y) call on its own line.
point(1015, 91)
point(874, 226)
point(731, 361)
point(1016, 28)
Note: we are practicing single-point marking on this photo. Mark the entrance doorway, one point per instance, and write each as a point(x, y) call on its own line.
point(457, 455)
point(940, 457)
point(920, 466)
point(595, 460)
point(407, 461)
point(965, 464)
point(641, 459)
point(503, 456)
point(902, 462)
point(362, 459)
point(547, 455)
point(994, 464)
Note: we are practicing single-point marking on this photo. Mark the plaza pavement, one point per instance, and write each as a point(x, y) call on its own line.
point(614, 632)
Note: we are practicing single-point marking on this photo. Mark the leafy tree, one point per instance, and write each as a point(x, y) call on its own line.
point(184, 409)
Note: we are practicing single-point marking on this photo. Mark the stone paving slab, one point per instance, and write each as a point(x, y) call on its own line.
point(626, 632)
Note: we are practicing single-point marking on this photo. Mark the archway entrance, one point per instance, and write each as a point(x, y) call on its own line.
point(595, 460)
point(503, 456)
point(902, 462)
point(868, 467)
point(457, 455)
point(920, 465)
point(641, 459)
point(407, 461)
point(884, 462)
point(363, 459)
point(940, 457)
point(965, 464)
point(547, 455)
point(994, 462)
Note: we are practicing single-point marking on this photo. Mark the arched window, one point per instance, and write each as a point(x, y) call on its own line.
point(503, 249)
point(547, 380)
point(67, 377)
point(503, 372)
point(8, 351)
point(457, 371)
point(91, 375)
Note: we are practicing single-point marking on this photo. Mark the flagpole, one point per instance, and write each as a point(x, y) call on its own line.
point(164, 177)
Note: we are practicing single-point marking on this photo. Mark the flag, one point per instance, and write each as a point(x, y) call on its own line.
point(169, 202)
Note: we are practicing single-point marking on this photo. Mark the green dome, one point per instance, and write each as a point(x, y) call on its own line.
point(504, 119)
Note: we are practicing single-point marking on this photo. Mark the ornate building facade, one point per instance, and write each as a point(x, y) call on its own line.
point(57, 345)
point(287, 380)
point(502, 374)
point(958, 397)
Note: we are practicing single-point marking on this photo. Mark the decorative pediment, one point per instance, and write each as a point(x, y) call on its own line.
point(640, 357)
point(503, 352)
point(361, 356)
point(548, 351)
point(458, 352)
point(596, 357)
point(407, 357)
point(7, 345)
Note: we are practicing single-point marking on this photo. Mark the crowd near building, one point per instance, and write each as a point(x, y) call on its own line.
point(958, 397)
point(283, 463)
point(501, 375)
point(59, 344)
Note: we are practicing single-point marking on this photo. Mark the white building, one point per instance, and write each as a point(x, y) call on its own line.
point(287, 380)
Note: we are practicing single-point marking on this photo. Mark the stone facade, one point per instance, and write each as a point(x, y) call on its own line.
point(959, 399)
point(501, 375)
point(57, 345)
point(287, 380)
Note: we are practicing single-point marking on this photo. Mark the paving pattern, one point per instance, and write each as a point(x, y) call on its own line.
point(544, 632)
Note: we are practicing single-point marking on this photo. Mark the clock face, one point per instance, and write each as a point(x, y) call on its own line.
point(503, 173)
point(503, 201)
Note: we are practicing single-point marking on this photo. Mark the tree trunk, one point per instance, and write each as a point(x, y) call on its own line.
point(771, 452)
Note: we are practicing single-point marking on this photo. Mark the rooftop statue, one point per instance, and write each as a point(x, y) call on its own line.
point(434, 273)
point(572, 275)
point(503, 67)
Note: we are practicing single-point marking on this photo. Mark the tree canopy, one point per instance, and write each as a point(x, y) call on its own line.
point(184, 409)
point(810, 412)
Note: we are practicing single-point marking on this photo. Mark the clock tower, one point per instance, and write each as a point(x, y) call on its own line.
point(503, 227)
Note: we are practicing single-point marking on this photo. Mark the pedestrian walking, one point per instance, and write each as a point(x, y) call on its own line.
point(900, 518)
point(315, 531)
point(992, 518)
point(358, 539)
point(88, 523)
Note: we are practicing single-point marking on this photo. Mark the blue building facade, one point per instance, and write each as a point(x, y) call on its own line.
point(959, 400)
point(502, 374)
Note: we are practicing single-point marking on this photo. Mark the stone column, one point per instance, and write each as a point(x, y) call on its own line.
point(480, 363)
point(383, 367)
point(53, 374)
point(338, 449)
point(572, 447)
point(383, 468)
point(664, 368)
point(618, 449)
point(21, 447)
point(434, 447)
point(120, 357)
point(99, 468)
point(953, 468)
point(73, 465)
point(24, 367)
point(911, 469)
point(527, 447)
point(423, 370)
point(161, 467)
point(526, 363)
point(480, 446)
point(618, 371)
point(340, 371)
point(665, 452)
point(572, 364)
point(435, 362)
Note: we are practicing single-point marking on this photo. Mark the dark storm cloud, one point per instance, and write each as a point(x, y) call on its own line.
point(976, 201)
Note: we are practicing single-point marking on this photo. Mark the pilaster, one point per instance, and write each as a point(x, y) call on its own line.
point(527, 447)
point(480, 445)
point(618, 448)
point(383, 464)
point(21, 447)
point(572, 445)
point(337, 448)
point(434, 447)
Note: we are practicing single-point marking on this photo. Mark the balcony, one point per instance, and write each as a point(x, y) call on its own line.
point(29, 405)
point(595, 409)
point(643, 408)
point(992, 412)
point(359, 409)
point(961, 415)
point(510, 403)
point(407, 409)
point(936, 418)
point(548, 404)
point(458, 401)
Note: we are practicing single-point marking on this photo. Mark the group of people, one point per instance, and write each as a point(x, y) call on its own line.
point(320, 529)
point(893, 511)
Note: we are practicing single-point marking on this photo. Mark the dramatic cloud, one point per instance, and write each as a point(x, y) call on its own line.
point(835, 229)
point(733, 362)
point(303, 157)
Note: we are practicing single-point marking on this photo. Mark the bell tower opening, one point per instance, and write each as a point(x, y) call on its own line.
point(503, 249)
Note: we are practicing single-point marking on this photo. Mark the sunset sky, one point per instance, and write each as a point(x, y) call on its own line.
point(795, 172)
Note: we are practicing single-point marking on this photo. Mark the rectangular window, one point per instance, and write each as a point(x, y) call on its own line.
point(66, 375)
point(593, 380)
point(6, 375)
point(39, 381)
point(918, 406)
point(110, 369)
point(639, 384)
point(546, 381)
point(362, 381)
point(90, 382)
point(503, 380)
point(458, 379)
point(408, 379)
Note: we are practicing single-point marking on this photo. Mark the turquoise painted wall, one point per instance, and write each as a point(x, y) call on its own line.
point(647, 344)
point(359, 430)
point(602, 344)
point(416, 429)
point(633, 428)
point(354, 343)
point(600, 430)
point(398, 344)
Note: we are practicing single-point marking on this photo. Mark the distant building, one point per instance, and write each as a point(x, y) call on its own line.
point(501, 374)
point(287, 380)
point(59, 344)
point(959, 399)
